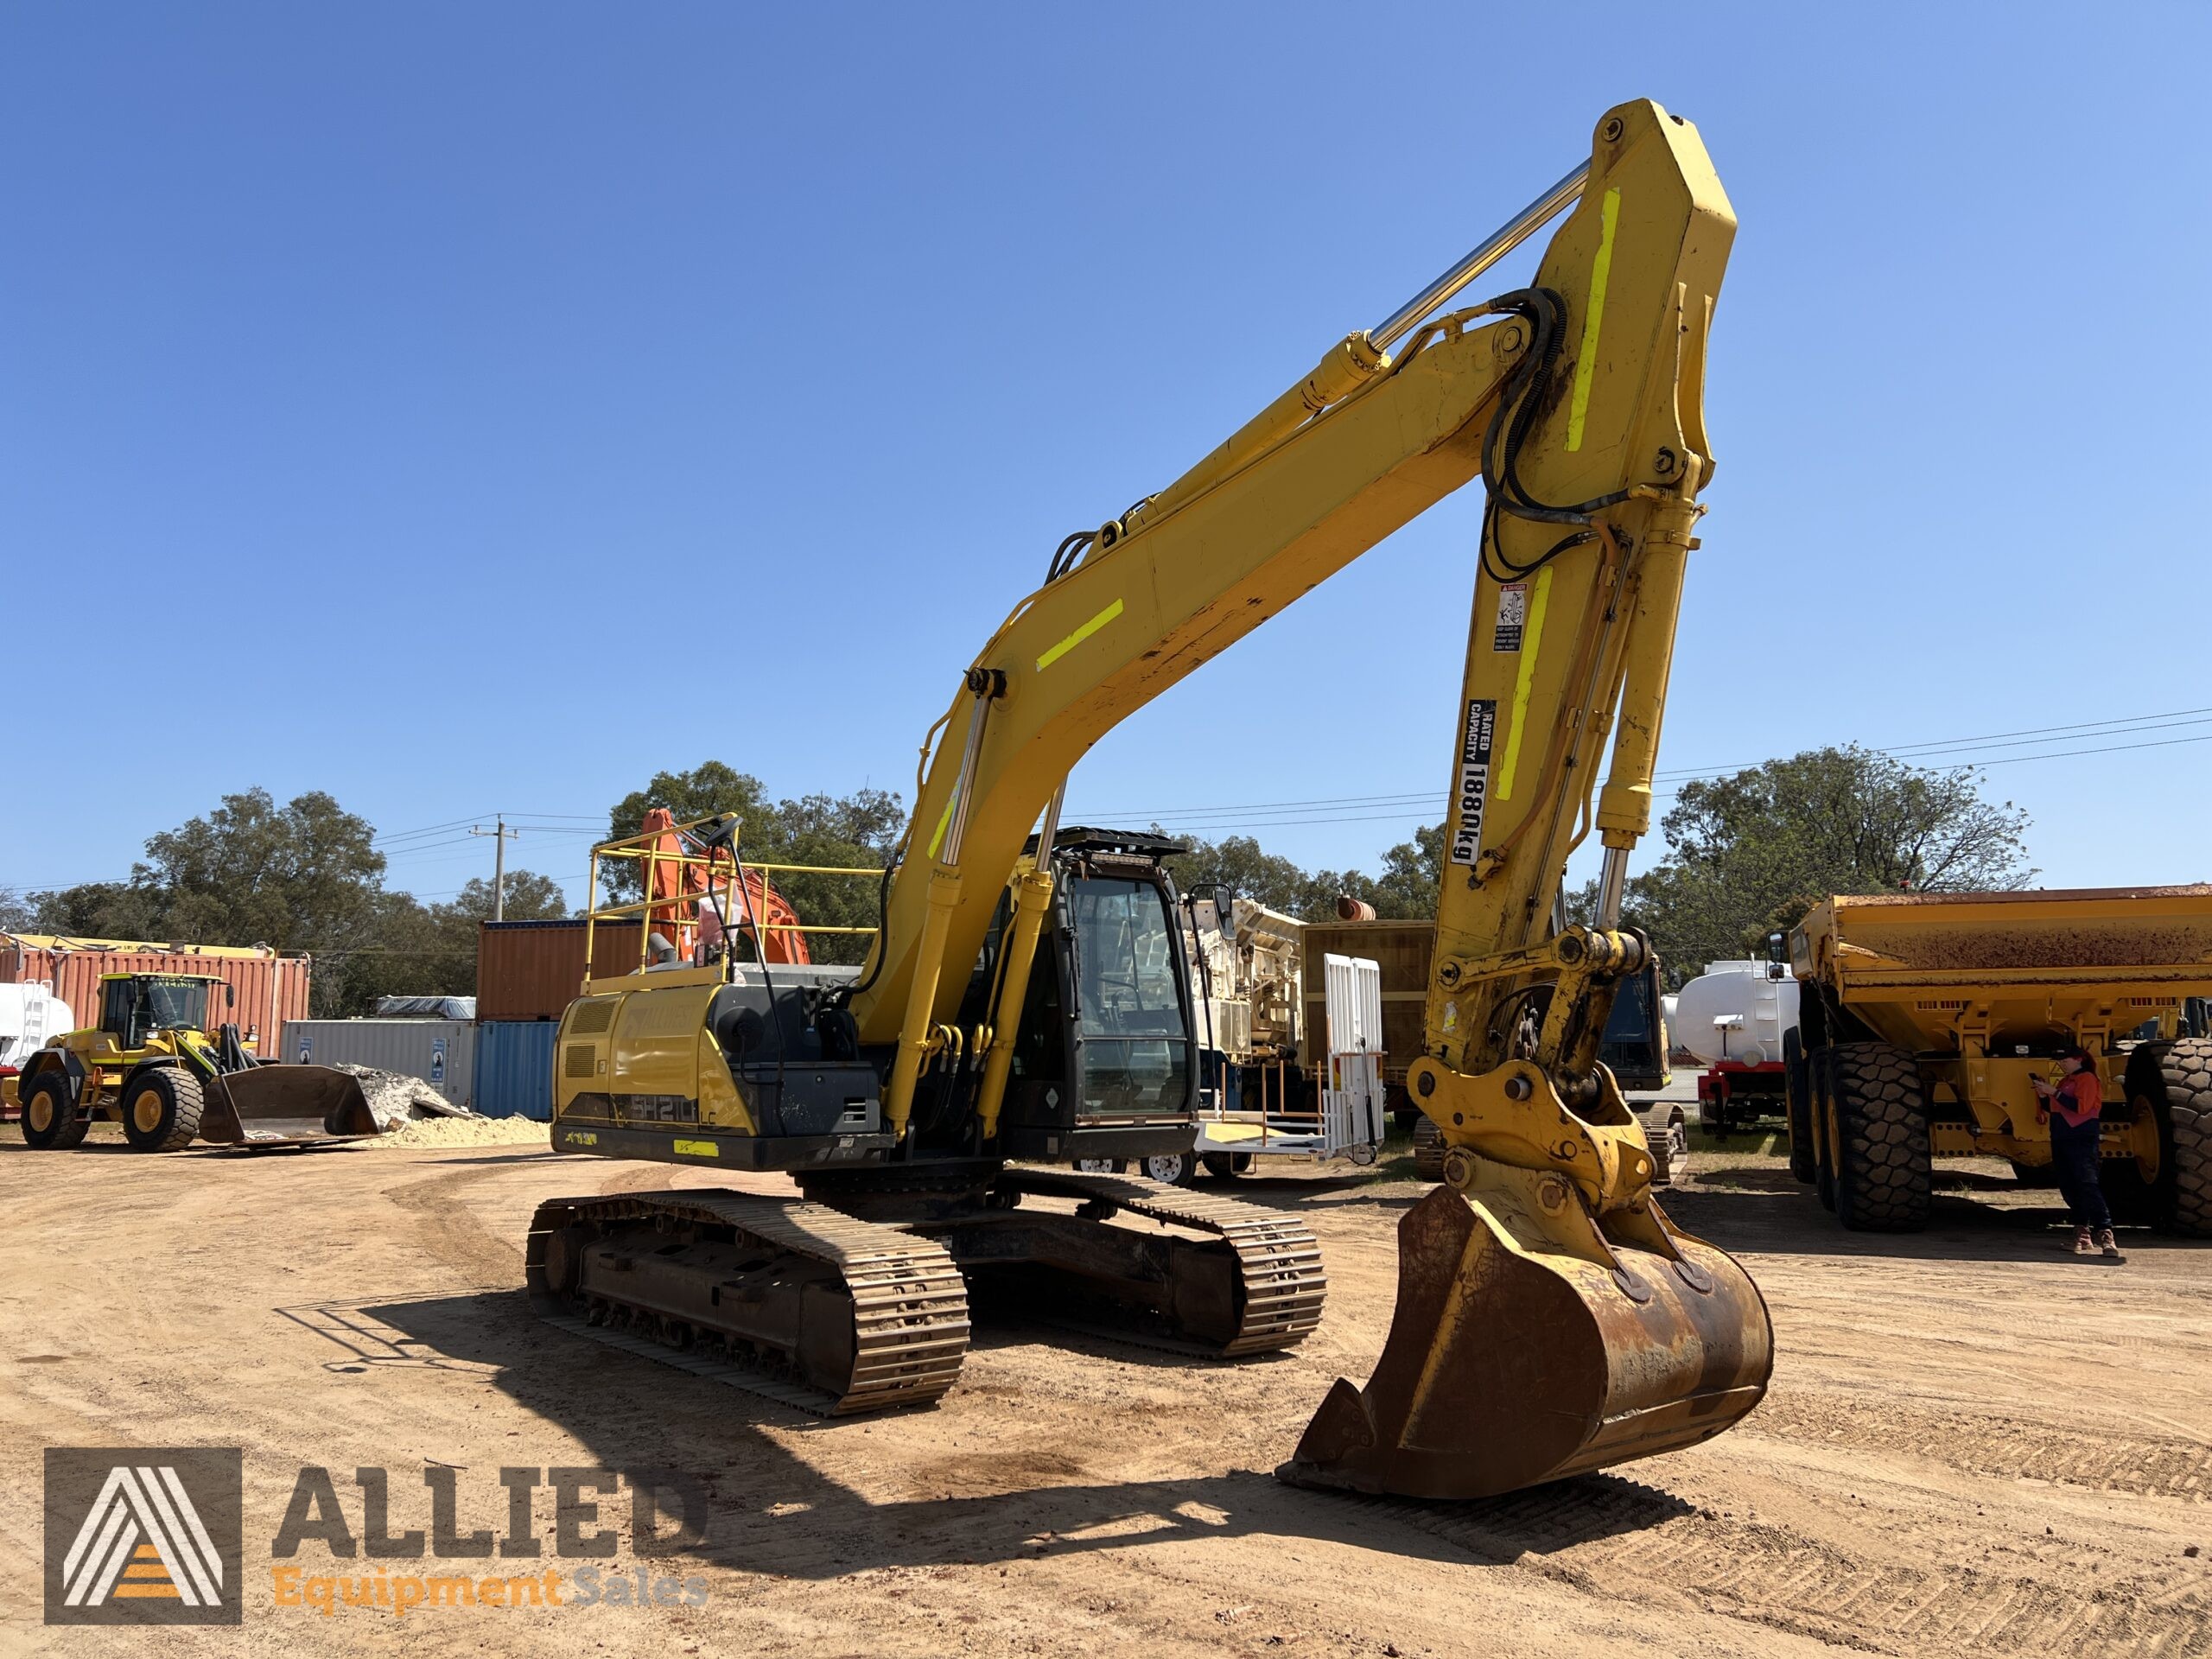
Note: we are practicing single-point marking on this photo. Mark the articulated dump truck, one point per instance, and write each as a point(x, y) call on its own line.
point(1926, 1018)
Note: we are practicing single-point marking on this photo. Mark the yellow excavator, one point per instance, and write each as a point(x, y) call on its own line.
point(1550, 1317)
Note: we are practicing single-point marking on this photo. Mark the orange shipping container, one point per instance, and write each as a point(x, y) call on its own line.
point(533, 970)
point(268, 988)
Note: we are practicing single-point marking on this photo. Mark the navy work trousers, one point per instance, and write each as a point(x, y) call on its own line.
point(2074, 1155)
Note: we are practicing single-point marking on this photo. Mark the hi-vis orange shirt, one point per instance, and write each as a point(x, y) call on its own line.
point(2078, 1100)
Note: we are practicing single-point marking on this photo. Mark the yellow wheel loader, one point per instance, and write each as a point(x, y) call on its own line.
point(152, 1066)
point(1550, 1317)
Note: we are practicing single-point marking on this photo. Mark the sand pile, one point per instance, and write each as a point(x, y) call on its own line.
point(470, 1131)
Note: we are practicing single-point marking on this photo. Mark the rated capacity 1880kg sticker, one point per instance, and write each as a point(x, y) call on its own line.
point(1474, 780)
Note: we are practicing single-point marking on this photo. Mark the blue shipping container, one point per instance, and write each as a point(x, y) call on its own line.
point(514, 1068)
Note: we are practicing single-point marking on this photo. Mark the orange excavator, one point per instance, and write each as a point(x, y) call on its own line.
point(694, 876)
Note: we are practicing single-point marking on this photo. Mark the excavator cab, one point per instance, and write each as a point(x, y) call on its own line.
point(1103, 1065)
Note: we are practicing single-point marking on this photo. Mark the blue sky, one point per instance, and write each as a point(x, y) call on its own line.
point(475, 409)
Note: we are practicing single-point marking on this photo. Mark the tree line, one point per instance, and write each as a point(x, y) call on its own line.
point(1743, 854)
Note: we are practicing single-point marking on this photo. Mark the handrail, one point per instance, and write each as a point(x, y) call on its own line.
point(721, 867)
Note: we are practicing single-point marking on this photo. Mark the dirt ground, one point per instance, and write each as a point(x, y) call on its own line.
point(1974, 1445)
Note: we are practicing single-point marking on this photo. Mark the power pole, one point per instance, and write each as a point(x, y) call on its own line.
point(500, 836)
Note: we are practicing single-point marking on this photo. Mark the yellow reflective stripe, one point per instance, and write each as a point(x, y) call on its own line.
point(1076, 639)
point(1585, 364)
point(696, 1149)
point(1534, 637)
point(945, 820)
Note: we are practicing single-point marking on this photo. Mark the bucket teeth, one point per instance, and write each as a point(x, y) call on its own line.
point(1511, 1364)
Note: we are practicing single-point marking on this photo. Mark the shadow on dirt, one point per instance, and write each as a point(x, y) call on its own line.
point(1974, 1218)
point(770, 1511)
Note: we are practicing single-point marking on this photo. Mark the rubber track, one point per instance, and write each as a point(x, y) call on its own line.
point(1887, 1181)
point(2186, 1068)
point(1278, 1258)
point(909, 1301)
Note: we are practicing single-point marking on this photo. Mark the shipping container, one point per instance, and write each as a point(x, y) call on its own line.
point(533, 970)
point(514, 1068)
point(268, 990)
point(442, 1052)
point(1402, 950)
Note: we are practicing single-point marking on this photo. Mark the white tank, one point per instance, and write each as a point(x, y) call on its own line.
point(1736, 1011)
point(29, 1016)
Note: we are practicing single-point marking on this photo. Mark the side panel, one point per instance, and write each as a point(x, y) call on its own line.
point(532, 970)
point(441, 1052)
point(514, 1067)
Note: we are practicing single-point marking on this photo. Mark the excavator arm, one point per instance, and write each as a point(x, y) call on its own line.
point(1550, 1317)
point(1366, 442)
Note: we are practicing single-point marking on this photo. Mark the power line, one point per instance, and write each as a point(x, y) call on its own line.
point(1430, 802)
point(2031, 735)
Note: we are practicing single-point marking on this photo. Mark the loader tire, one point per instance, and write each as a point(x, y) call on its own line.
point(2174, 1081)
point(50, 1120)
point(161, 1107)
point(1428, 1150)
point(1797, 1095)
point(1884, 1175)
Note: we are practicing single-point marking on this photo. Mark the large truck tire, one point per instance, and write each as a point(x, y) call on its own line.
point(2174, 1082)
point(1797, 1095)
point(1821, 1088)
point(1884, 1173)
point(50, 1121)
point(162, 1107)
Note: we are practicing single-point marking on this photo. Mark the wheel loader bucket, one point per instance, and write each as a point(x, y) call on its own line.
point(1513, 1360)
point(286, 1105)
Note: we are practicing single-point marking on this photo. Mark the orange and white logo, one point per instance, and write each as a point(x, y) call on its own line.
point(141, 1537)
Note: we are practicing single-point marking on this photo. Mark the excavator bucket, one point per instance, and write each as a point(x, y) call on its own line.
point(286, 1105)
point(1513, 1360)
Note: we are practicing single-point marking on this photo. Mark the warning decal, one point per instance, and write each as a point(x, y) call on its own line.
point(1512, 616)
point(1474, 780)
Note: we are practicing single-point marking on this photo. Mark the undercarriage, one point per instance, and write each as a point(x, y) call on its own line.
point(855, 1298)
